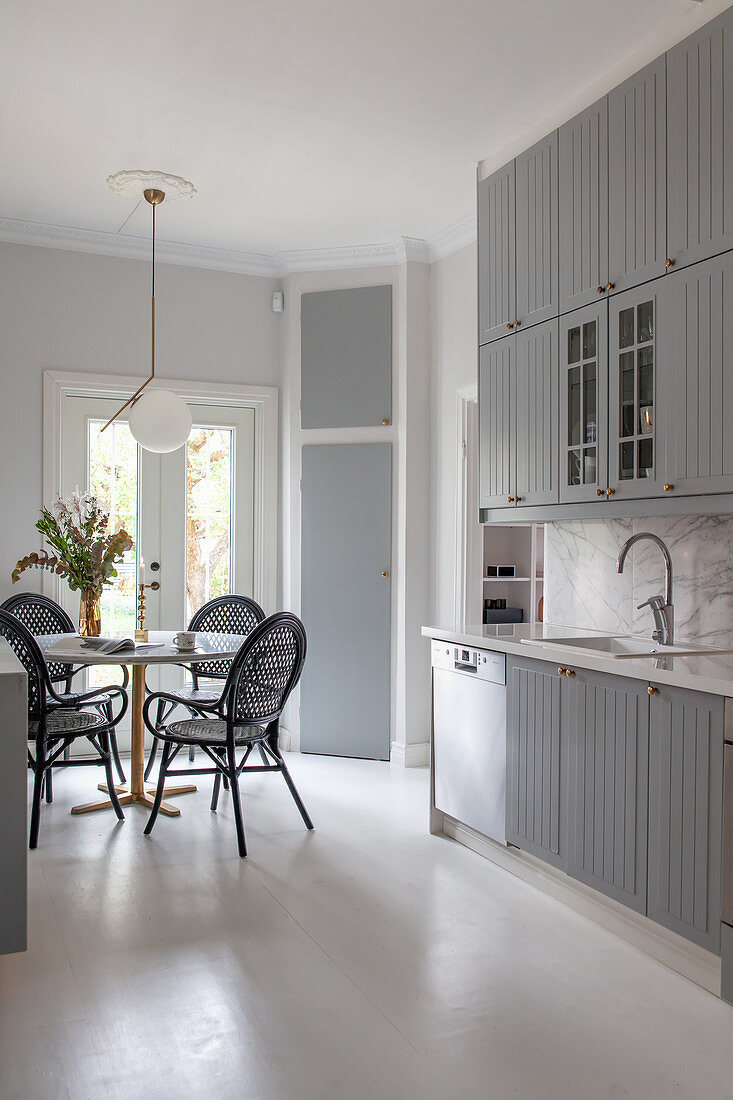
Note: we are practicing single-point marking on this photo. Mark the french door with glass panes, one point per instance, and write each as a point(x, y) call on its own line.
point(583, 403)
point(634, 467)
point(190, 513)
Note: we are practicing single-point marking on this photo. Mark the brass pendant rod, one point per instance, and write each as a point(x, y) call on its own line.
point(154, 197)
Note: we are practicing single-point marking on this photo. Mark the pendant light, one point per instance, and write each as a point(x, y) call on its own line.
point(159, 420)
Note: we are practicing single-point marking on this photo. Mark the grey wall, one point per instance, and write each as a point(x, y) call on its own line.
point(74, 311)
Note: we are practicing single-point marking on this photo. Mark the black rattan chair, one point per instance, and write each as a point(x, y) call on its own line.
point(247, 714)
point(224, 615)
point(43, 617)
point(52, 727)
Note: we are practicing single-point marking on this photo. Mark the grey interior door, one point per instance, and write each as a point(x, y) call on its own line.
point(583, 153)
point(537, 210)
point(345, 599)
point(695, 349)
point(608, 756)
point(700, 143)
point(536, 415)
point(346, 357)
point(637, 180)
point(497, 440)
point(496, 254)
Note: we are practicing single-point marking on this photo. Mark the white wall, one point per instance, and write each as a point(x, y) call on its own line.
point(453, 336)
point(64, 310)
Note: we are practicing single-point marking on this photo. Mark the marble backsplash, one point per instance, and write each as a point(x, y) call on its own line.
point(582, 587)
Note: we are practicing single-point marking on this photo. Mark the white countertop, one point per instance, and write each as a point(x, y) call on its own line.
point(709, 673)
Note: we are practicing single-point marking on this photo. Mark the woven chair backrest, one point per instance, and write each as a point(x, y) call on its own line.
point(42, 615)
point(224, 615)
point(266, 669)
point(26, 649)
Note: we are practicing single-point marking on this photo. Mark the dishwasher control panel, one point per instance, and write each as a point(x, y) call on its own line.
point(480, 663)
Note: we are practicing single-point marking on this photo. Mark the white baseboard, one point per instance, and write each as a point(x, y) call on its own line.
point(410, 756)
point(687, 959)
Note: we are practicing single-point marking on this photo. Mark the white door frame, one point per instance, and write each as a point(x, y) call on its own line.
point(466, 397)
point(58, 385)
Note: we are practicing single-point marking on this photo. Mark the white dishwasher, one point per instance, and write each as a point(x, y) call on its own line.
point(469, 736)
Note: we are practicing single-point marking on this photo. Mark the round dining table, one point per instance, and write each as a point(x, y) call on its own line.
point(161, 652)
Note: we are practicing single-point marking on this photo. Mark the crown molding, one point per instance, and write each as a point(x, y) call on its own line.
point(276, 265)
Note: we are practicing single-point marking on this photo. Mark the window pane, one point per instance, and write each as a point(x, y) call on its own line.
point(574, 406)
point(626, 327)
point(645, 323)
point(589, 340)
point(589, 466)
point(590, 428)
point(574, 345)
point(626, 461)
point(113, 480)
point(574, 467)
point(209, 457)
point(626, 388)
point(646, 457)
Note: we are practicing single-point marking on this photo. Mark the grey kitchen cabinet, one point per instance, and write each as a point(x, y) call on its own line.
point(637, 178)
point(497, 308)
point(700, 143)
point(696, 355)
point(637, 389)
point(583, 217)
point(536, 415)
point(608, 753)
point(537, 270)
point(583, 403)
point(685, 813)
point(535, 791)
point(496, 430)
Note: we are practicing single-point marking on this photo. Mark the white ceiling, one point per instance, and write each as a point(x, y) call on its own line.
point(304, 124)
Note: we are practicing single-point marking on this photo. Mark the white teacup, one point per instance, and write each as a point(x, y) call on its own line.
point(185, 639)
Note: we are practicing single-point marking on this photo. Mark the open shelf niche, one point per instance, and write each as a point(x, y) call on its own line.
point(523, 546)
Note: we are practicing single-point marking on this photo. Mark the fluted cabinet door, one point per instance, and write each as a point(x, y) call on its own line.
point(608, 755)
point(536, 415)
point(685, 813)
point(535, 778)
point(537, 268)
point(583, 151)
point(696, 351)
point(496, 254)
point(637, 183)
point(700, 143)
point(497, 441)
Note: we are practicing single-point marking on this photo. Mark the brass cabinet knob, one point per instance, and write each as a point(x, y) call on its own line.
point(668, 262)
point(509, 325)
point(569, 672)
point(517, 324)
point(510, 500)
point(652, 690)
point(385, 420)
point(610, 286)
point(517, 499)
point(610, 492)
point(385, 573)
point(667, 487)
point(561, 672)
point(599, 492)
point(600, 289)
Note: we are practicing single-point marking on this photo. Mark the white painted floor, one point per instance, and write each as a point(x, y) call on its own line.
point(364, 961)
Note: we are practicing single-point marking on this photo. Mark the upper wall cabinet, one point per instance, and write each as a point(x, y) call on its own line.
point(584, 273)
point(537, 213)
point(637, 189)
point(496, 397)
point(700, 143)
point(497, 307)
point(346, 357)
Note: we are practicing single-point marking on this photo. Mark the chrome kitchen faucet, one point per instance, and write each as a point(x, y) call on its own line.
point(662, 607)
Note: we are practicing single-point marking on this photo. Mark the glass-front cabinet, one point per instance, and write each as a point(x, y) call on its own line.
point(633, 414)
point(583, 403)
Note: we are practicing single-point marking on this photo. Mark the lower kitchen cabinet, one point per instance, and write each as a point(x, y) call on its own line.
point(607, 759)
point(535, 776)
point(686, 734)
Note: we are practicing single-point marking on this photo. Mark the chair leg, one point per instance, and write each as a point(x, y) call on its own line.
point(191, 753)
point(151, 758)
point(236, 803)
point(107, 752)
point(48, 784)
point(36, 805)
point(159, 789)
point(296, 797)
point(114, 748)
point(215, 792)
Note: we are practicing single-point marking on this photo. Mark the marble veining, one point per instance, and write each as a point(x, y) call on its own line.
point(582, 587)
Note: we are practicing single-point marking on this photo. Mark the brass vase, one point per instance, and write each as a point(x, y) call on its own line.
point(90, 613)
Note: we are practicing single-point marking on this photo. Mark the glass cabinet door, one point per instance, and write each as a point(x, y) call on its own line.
point(583, 403)
point(633, 405)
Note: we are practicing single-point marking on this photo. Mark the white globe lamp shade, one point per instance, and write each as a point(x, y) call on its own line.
point(160, 421)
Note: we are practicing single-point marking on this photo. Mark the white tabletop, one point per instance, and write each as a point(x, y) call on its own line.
point(218, 646)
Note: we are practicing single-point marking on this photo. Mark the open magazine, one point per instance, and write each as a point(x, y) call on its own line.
point(77, 646)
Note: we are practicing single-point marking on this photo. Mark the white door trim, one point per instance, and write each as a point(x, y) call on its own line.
point(58, 385)
point(466, 397)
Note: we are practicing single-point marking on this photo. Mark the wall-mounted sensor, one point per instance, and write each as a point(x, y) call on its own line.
point(278, 301)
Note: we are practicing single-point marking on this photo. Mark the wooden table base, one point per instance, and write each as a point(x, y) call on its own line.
point(135, 793)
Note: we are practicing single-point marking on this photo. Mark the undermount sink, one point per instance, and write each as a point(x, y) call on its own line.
point(625, 646)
